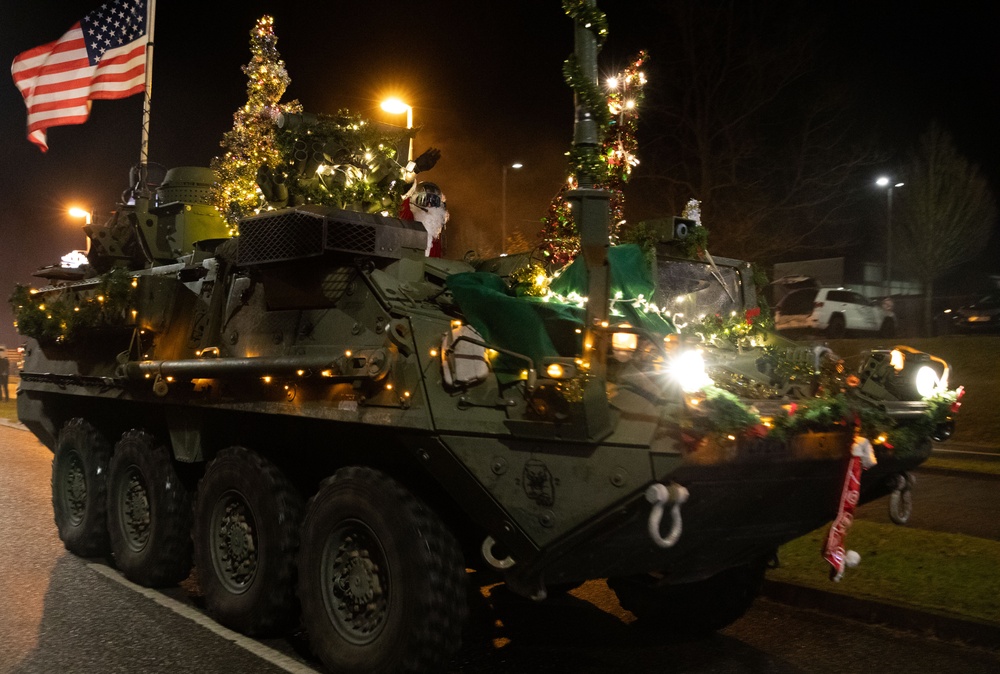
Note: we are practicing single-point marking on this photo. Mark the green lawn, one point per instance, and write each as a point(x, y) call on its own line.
point(947, 573)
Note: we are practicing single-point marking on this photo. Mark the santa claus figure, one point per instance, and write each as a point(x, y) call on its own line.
point(426, 204)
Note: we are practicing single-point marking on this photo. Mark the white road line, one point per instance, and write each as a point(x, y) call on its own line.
point(263, 652)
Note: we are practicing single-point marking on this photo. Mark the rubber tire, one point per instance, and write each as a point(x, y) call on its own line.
point(692, 609)
point(80, 447)
point(415, 558)
point(163, 555)
point(271, 510)
point(837, 328)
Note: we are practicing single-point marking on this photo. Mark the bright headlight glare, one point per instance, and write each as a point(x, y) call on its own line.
point(926, 381)
point(555, 370)
point(688, 370)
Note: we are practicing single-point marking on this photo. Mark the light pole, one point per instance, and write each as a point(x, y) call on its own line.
point(884, 181)
point(397, 107)
point(503, 202)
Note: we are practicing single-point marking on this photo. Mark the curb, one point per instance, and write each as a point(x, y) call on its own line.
point(13, 424)
point(907, 618)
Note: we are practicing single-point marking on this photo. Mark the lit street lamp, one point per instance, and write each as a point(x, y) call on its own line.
point(395, 106)
point(503, 203)
point(885, 182)
point(80, 213)
point(77, 258)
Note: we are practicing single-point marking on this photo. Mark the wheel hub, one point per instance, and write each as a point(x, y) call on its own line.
point(236, 544)
point(357, 590)
point(136, 511)
point(75, 489)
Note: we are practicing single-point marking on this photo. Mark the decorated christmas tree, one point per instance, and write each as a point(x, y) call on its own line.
point(277, 156)
point(252, 142)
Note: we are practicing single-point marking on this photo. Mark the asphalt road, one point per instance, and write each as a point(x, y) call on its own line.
point(67, 615)
point(966, 503)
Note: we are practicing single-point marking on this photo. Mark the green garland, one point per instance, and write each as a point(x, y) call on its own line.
point(726, 414)
point(360, 162)
point(64, 317)
point(590, 17)
point(588, 160)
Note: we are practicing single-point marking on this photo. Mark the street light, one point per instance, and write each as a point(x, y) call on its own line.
point(503, 202)
point(397, 107)
point(77, 212)
point(884, 181)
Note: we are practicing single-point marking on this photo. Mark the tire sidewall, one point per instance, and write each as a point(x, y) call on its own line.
point(155, 563)
point(405, 555)
point(247, 611)
point(79, 441)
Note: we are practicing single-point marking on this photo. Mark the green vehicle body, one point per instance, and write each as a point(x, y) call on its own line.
point(317, 335)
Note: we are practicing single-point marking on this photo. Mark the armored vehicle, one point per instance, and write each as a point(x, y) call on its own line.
point(333, 427)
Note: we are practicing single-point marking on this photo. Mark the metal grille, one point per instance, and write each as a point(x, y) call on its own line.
point(350, 236)
point(285, 236)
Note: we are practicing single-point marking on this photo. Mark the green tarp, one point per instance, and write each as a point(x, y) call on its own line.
point(538, 328)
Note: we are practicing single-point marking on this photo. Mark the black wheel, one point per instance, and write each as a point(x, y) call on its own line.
point(246, 540)
point(149, 512)
point(901, 499)
point(693, 609)
point(888, 328)
point(837, 327)
point(79, 488)
point(381, 580)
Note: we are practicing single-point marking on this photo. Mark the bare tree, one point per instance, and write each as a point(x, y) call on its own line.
point(751, 128)
point(945, 216)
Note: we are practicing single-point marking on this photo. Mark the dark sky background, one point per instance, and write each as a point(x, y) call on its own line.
point(485, 82)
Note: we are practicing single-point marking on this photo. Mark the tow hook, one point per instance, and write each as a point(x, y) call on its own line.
point(901, 499)
point(662, 496)
point(491, 559)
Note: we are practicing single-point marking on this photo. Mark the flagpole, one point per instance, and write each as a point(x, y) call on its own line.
point(147, 97)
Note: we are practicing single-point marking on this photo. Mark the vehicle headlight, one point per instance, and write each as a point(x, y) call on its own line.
point(688, 369)
point(927, 381)
point(909, 374)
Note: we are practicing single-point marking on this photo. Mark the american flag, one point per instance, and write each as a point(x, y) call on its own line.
point(103, 56)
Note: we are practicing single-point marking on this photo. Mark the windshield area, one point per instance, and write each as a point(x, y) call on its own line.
point(691, 290)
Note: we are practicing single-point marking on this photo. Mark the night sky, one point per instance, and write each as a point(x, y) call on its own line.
point(485, 83)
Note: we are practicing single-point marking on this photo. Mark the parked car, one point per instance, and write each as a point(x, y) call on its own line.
point(983, 315)
point(834, 311)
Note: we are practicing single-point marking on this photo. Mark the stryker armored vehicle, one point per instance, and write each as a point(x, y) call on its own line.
point(330, 425)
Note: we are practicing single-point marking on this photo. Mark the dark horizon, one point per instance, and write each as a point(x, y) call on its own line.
point(486, 89)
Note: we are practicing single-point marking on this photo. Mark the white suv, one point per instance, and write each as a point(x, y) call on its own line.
point(833, 310)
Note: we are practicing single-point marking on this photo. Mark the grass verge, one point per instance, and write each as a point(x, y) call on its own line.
point(8, 410)
point(949, 573)
point(964, 465)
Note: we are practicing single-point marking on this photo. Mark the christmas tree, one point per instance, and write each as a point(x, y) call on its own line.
point(252, 142)
point(277, 156)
